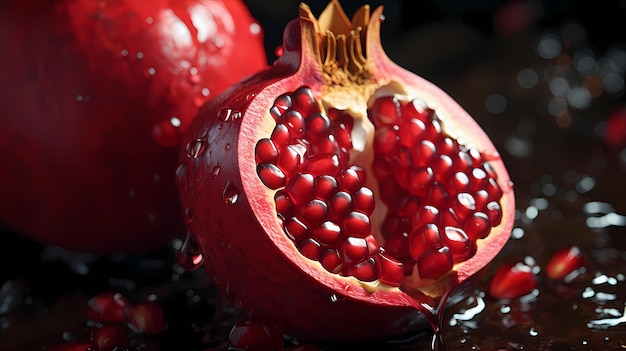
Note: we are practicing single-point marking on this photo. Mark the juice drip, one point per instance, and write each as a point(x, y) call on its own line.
point(432, 308)
point(189, 256)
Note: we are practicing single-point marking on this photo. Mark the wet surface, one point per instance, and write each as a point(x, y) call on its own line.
point(543, 91)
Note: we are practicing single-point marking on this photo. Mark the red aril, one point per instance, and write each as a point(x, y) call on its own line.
point(108, 307)
point(146, 317)
point(512, 280)
point(566, 263)
point(109, 335)
point(95, 96)
point(351, 196)
point(255, 335)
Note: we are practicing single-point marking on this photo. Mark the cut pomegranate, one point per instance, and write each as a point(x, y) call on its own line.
point(353, 195)
point(512, 280)
point(566, 263)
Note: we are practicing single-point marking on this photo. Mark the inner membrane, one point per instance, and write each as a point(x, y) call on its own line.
point(432, 197)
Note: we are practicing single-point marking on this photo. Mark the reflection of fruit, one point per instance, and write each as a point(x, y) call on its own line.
point(339, 192)
point(615, 129)
point(256, 335)
point(512, 280)
point(566, 263)
point(93, 97)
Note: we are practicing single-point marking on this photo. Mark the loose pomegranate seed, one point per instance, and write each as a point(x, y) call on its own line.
point(440, 196)
point(108, 307)
point(109, 335)
point(566, 263)
point(256, 336)
point(512, 280)
point(146, 318)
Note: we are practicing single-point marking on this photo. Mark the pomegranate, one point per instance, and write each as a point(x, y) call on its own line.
point(338, 192)
point(94, 96)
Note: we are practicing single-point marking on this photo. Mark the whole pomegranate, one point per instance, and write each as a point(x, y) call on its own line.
point(94, 97)
point(339, 193)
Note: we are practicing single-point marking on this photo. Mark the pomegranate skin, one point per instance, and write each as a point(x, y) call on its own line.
point(94, 96)
point(230, 215)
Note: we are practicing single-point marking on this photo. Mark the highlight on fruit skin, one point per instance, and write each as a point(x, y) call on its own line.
point(340, 193)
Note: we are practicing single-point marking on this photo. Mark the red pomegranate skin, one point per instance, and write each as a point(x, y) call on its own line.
point(235, 226)
point(94, 96)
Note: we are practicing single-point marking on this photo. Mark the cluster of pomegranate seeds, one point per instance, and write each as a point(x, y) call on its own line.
point(114, 319)
point(441, 196)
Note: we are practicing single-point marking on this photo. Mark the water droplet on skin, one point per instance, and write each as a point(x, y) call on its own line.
point(188, 215)
point(195, 148)
point(124, 52)
point(215, 171)
point(227, 147)
point(255, 28)
point(189, 256)
point(224, 114)
point(250, 96)
point(230, 194)
point(139, 55)
point(149, 20)
point(194, 77)
point(151, 71)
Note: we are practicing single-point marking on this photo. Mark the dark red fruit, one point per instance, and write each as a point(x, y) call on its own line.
point(512, 280)
point(615, 128)
point(75, 346)
point(146, 317)
point(420, 200)
point(566, 263)
point(108, 336)
point(94, 97)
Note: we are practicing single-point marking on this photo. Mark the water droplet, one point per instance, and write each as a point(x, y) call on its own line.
point(189, 256)
point(150, 71)
point(250, 96)
point(255, 28)
point(215, 171)
point(149, 20)
point(231, 193)
point(188, 215)
point(139, 55)
point(195, 148)
point(227, 114)
point(227, 147)
point(194, 77)
point(124, 52)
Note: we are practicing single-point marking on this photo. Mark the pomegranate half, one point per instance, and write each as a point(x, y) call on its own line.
point(339, 193)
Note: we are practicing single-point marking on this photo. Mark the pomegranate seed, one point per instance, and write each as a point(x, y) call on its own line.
point(313, 212)
point(331, 260)
point(323, 164)
point(448, 147)
point(340, 205)
point(494, 212)
point(390, 271)
point(301, 188)
point(327, 233)
point(283, 204)
point(352, 178)
point(265, 151)
point(109, 335)
point(325, 187)
point(417, 109)
point(615, 129)
point(423, 153)
point(435, 262)
point(304, 101)
point(272, 176)
point(459, 182)
point(411, 132)
point(423, 238)
point(343, 136)
point(512, 280)
point(464, 205)
point(442, 168)
point(256, 336)
point(438, 196)
point(356, 224)
point(108, 307)
point(364, 200)
point(566, 263)
point(397, 246)
point(354, 249)
point(146, 318)
point(310, 248)
point(459, 243)
point(385, 111)
point(295, 229)
point(294, 122)
point(477, 226)
point(425, 215)
point(365, 270)
point(280, 135)
point(325, 145)
point(317, 125)
point(386, 140)
point(289, 159)
point(421, 180)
